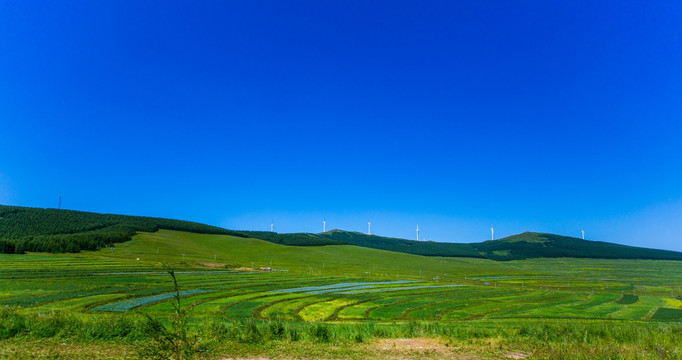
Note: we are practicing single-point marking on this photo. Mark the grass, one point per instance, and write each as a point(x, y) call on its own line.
point(544, 339)
point(667, 314)
point(336, 295)
point(628, 299)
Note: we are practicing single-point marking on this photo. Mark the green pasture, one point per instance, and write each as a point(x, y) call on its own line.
point(381, 285)
point(342, 286)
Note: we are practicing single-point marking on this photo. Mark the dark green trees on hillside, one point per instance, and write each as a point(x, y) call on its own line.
point(59, 231)
point(65, 231)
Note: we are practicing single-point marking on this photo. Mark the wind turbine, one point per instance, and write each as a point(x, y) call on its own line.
point(272, 226)
point(417, 232)
point(492, 233)
point(324, 225)
point(369, 227)
point(583, 232)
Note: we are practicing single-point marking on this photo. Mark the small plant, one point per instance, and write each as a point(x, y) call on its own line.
point(321, 332)
point(11, 323)
point(276, 329)
point(173, 341)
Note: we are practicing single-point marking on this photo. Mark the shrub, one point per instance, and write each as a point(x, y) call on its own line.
point(321, 332)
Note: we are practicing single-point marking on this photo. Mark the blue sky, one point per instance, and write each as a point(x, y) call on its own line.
point(530, 115)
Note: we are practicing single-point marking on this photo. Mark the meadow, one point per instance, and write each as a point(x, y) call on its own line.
point(335, 301)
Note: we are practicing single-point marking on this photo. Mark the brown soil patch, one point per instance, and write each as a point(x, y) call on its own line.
point(212, 264)
point(517, 355)
point(20, 349)
point(412, 344)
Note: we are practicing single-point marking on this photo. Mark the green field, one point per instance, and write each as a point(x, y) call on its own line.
point(337, 294)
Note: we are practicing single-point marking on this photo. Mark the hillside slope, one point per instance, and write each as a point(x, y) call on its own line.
point(165, 246)
point(426, 248)
point(51, 230)
point(534, 245)
point(516, 247)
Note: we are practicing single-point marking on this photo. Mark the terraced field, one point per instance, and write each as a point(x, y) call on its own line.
point(360, 292)
point(266, 295)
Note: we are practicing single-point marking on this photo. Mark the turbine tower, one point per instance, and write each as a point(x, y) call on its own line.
point(369, 227)
point(324, 225)
point(583, 232)
point(492, 233)
point(272, 227)
point(417, 232)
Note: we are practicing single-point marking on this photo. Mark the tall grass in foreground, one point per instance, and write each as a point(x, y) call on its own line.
point(172, 341)
point(544, 338)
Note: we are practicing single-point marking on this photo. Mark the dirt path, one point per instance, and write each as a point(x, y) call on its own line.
point(404, 349)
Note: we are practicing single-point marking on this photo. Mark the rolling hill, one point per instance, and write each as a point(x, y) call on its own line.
point(426, 248)
point(516, 247)
point(534, 245)
point(66, 231)
point(51, 230)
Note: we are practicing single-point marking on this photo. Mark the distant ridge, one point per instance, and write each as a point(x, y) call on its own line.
point(427, 248)
point(51, 230)
point(516, 247)
point(533, 245)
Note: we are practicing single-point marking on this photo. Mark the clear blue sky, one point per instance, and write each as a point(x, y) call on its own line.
point(525, 115)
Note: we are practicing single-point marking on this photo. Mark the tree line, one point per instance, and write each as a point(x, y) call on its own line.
point(65, 231)
point(25, 229)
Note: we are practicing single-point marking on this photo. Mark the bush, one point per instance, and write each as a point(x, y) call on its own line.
point(276, 330)
point(321, 332)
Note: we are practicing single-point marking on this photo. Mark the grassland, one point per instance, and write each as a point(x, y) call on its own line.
point(337, 301)
point(25, 229)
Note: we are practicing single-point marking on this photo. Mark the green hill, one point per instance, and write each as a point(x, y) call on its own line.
point(426, 248)
point(58, 231)
point(533, 245)
point(51, 230)
point(291, 239)
point(516, 247)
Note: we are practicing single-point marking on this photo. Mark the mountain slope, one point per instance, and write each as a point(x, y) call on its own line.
point(58, 231)
point(426, 248)
point(533, 245)
point(51, 230)
point(516, 247)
